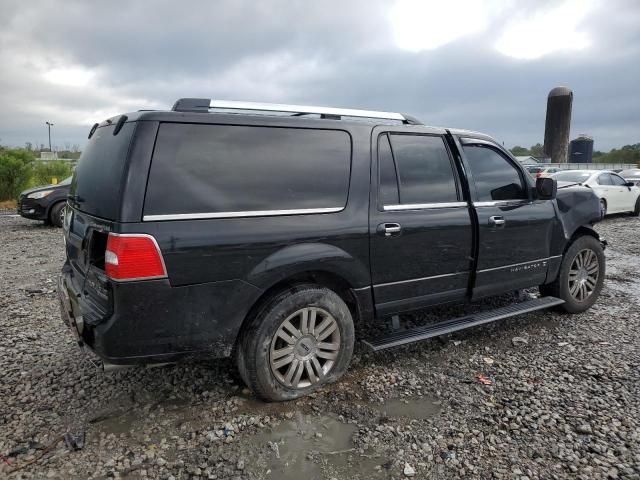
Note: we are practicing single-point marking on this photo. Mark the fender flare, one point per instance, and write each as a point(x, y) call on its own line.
point(306, 257)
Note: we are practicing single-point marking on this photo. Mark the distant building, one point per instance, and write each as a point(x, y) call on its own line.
point(48, 156)
point(581, 149)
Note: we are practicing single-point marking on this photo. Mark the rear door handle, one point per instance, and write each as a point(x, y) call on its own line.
point(497, 221)
point(389, 229)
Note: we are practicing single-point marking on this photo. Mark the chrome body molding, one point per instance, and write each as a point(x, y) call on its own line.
point(420, 279)
point(251, 213)
point(424, 206)
point(513, 265)
point(302, 109)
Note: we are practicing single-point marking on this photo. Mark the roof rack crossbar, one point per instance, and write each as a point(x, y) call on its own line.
point(203, 105)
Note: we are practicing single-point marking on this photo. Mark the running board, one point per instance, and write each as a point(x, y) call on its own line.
point(417, 334)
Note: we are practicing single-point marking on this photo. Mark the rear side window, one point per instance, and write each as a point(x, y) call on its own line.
point(222, 169)
point(97, 180)
point(494, 176)
point(424, 169)
point(604, 179)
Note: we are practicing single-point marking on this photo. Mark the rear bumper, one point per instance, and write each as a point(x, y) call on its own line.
point(151, 321)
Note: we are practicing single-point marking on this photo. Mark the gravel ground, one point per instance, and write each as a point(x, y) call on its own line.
point(563, 401)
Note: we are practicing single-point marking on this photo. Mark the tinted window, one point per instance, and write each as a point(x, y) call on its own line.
point(220, 168)
point(97, 179)
point(424, 169)
point(387, 171)
point(617, 180)
point(604, 179)
point(494, 176)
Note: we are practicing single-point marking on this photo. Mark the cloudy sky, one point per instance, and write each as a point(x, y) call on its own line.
point(479, 64)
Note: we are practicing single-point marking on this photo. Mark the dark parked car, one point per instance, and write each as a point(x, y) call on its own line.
point(45, 203)
point(267, 231)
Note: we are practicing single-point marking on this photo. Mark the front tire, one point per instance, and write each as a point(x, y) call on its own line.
point(56, 215)
point(581, 275)
point(296, 342)
point(636, 210)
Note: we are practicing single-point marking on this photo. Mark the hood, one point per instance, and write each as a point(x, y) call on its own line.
point(44, 187)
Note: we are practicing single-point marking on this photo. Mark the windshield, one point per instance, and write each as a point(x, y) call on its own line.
point(630, 173)
point(577, 177)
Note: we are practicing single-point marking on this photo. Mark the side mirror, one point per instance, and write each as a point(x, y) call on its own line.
point(629, 184)
point(546, 188)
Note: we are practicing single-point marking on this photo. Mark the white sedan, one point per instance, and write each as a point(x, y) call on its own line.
point(615, 193)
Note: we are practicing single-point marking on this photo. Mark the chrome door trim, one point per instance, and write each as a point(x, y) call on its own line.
point(497, 203)
point(423, 206)
point(420, 279)
point(251, 213)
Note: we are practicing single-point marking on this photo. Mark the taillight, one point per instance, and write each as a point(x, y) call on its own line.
point(133, 256)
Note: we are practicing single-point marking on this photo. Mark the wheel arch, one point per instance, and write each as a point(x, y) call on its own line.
point(358, 300)
point(53, 204)
point(580, 231)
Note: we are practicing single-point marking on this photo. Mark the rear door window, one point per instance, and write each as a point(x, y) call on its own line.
point(224, 170)
point(97, 180)
point(388, 191)
point(424, 170)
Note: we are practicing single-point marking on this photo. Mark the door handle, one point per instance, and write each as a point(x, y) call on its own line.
point(497, 221)
point(389, 229)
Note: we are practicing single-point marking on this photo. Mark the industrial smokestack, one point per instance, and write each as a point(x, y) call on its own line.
point(558, 124)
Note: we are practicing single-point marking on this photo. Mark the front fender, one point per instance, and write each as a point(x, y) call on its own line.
point(307, 257)
point(576, 207)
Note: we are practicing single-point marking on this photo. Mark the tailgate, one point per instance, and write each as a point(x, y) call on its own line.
point(85, 243)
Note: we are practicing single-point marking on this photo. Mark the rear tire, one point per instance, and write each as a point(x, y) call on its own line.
point(56, 215)
point(636, 210)
point(581, 275)
point(296, 342)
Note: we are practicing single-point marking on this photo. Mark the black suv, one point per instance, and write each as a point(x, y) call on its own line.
point(45, 203)
point(266, 231)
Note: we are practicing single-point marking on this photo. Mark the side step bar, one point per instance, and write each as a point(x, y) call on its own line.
point(404, 337)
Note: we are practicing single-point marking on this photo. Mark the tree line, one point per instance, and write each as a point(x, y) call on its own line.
point(19, 170)
point(626, 154)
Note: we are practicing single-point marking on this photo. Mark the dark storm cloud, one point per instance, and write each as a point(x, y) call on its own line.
point(146, 54)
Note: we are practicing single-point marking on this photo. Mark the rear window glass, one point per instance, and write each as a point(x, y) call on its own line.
point(424, 169)
point(97, 179)
point(224, 168)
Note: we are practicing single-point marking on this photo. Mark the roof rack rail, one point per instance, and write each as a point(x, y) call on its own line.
point(205, 104)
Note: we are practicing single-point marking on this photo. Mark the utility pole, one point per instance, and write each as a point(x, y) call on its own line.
point(49, 125)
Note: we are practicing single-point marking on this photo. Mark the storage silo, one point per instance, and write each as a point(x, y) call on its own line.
point(558, 124)
point(581, 149)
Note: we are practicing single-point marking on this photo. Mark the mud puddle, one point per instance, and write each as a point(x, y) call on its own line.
point(418, 408)
point(312, 447)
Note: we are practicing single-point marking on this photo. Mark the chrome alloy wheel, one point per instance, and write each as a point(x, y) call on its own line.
point(583, 274)
point(305, 348)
